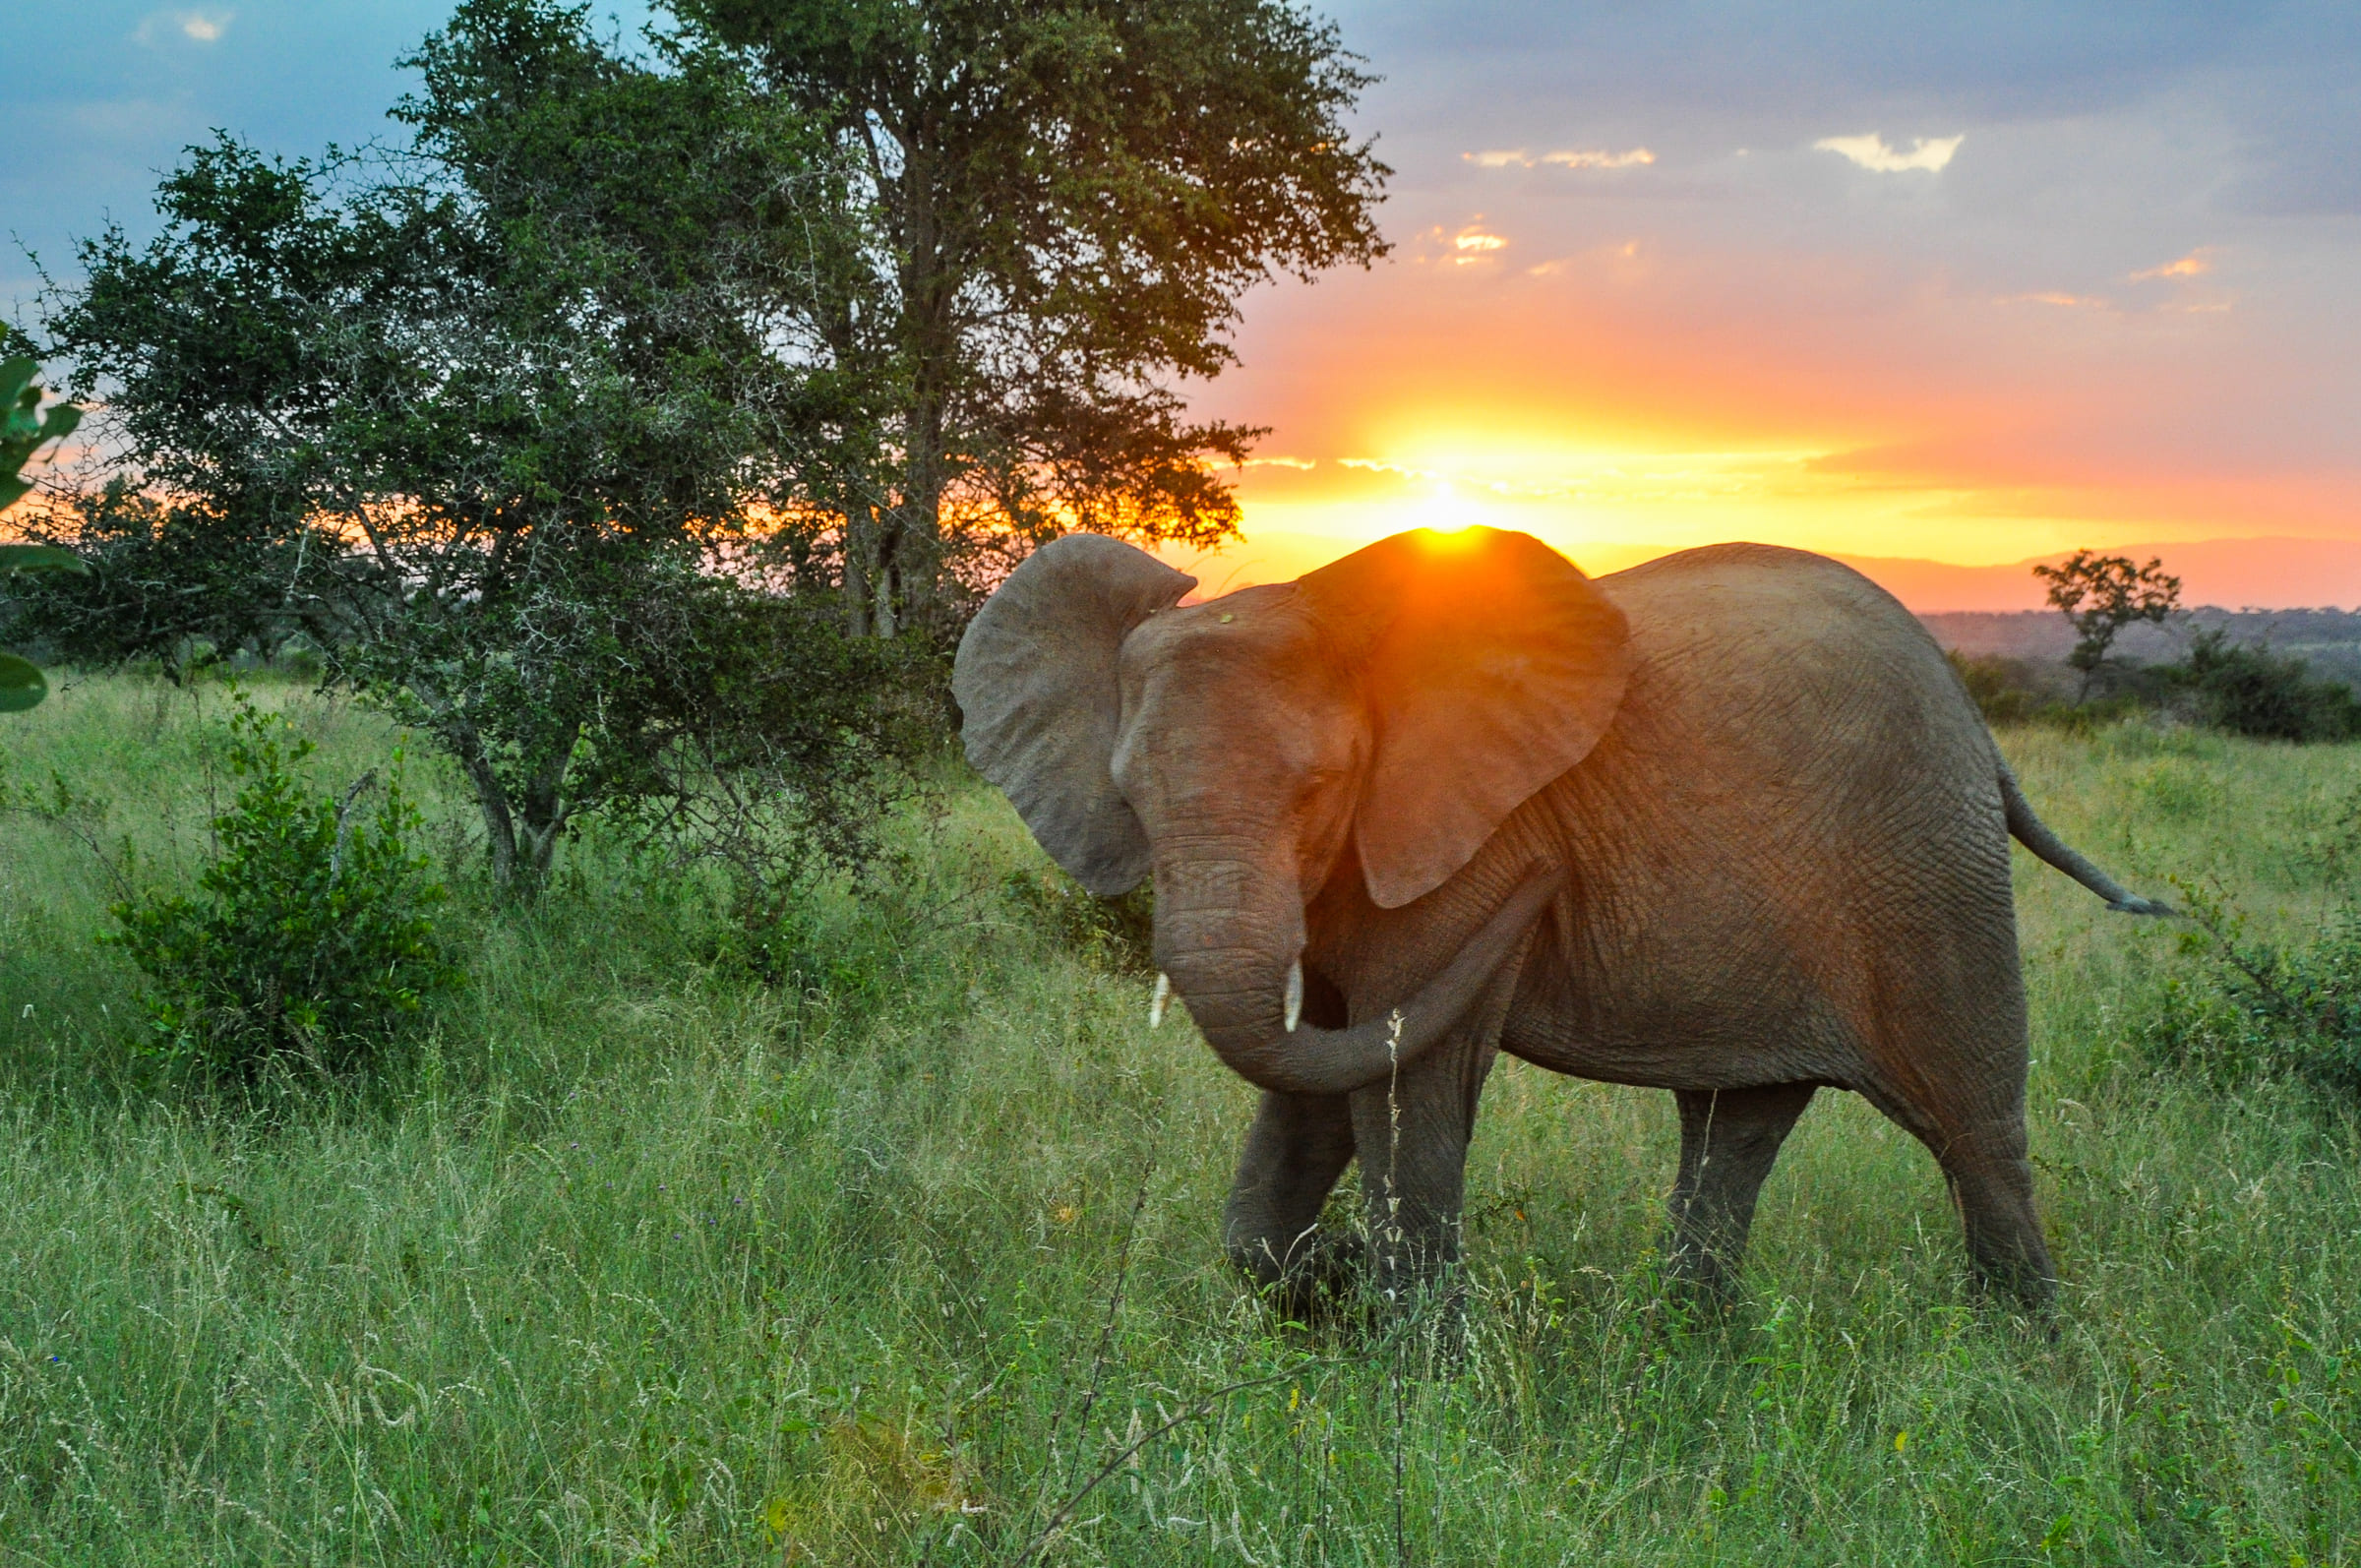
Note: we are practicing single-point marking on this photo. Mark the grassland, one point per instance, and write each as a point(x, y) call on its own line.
point(642, 1260)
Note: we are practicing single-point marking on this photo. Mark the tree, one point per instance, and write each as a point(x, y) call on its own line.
point(1060, 203)
point(2100, 595)
point(171, 581)
point(508, 389)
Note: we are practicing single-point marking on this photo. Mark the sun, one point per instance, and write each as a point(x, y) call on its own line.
point(1450, 511)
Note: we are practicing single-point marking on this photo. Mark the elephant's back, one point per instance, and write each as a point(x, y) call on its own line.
point(1790, 660)
point(1795, 820)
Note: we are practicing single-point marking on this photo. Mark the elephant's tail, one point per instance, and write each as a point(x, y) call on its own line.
point(2034, 834)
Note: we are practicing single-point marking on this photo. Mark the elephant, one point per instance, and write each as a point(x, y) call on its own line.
point(1726, 823)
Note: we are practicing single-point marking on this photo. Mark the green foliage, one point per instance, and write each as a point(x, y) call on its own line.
point(2005, 691)
point(533, 371)
point(2101, 595)
point(23, 427)
point(175, 581)
point(2271, 697)
point(2010, 691)
point(315, 943)
point(755, 734)
point(22, 684)
point(2235, 687)
point(2264, 1008)
point(1117, 933)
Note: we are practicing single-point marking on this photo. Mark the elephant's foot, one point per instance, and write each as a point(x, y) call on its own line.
point(1701, 1271)
point(1314, 1280)
point(1995, 1200)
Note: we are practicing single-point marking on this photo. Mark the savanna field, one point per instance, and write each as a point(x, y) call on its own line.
point(896, 1241)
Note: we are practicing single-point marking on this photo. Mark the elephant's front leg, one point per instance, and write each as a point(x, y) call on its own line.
point(1298, 1147)
point(1412, 1134)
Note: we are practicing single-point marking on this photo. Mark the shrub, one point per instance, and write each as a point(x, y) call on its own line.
point(1115, 933)
point(2010, 691)
point(2006, 690)
point(316, 941)
point(180, 581)
point(2255, 691)
point(2260, 1008)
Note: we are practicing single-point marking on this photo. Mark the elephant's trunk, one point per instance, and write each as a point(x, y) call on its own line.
point(1232, 940)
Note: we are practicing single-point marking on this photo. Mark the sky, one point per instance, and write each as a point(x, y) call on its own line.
point(1962, 284)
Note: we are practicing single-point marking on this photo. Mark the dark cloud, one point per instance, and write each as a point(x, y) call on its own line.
point(1695, 80)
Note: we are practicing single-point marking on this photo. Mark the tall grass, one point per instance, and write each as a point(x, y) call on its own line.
point(642, 1262)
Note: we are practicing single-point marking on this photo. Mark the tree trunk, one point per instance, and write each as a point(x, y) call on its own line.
point(500, 825)
point(520, 837)
point(860, 546)
point(919, 536)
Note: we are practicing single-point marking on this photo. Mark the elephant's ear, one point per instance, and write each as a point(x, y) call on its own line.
point(1036, 683)
point(1491, 665)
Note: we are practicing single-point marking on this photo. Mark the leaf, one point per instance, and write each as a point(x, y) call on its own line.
point(23, 428)
point(22, 685)
point(39, 558)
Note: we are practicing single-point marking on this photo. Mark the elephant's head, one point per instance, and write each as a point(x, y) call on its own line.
point(1399, 703)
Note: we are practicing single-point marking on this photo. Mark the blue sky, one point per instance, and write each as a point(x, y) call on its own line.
point(110, 93)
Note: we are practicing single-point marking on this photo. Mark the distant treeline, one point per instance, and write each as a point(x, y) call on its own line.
point(2329, 640)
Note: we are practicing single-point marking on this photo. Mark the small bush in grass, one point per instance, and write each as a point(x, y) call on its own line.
point(2263, 1009)
point(1115, 933)
point(315, 943)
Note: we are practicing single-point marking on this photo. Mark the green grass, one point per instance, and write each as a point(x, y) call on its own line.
point(642, 1262)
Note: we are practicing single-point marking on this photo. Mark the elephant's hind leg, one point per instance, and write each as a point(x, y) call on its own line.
point(1728, 1139)
point(1974, 1127)
point(1992, 1185)
point(1297, 1148)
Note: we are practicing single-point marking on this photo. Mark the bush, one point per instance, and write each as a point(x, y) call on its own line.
point(2006, 690)
point(2010, 691)
point(2222, 684)
point(2262, 1009)
point(315, 943)
point(1115, 934)
point(2273, 697)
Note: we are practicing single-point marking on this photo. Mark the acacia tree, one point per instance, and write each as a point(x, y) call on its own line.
point(517, 381)
point(2100, 595)
point(1060, 203)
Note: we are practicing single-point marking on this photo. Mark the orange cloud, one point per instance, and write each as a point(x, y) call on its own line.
point(2193, 265)
point(1622, 405)
point(2054, 297)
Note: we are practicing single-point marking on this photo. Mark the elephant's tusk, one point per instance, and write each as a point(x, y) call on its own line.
point(1163, 993)
point(1295, 995)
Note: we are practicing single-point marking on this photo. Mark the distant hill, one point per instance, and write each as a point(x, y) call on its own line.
point(2265, 573)
point(2330, 640)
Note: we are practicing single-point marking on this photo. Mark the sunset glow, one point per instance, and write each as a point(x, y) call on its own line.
point(1632, 319)
point(1949, 289)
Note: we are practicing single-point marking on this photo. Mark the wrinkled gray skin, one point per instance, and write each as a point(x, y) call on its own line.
point(1725, 824)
